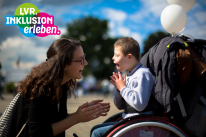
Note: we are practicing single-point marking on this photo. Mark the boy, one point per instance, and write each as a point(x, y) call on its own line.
point(133, 91)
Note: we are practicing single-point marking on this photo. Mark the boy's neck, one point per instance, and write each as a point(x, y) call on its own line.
point(133, 65)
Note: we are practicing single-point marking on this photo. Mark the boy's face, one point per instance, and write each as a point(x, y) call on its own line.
point(119, 59)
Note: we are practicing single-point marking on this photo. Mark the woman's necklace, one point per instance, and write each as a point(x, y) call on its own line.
point(58, 105)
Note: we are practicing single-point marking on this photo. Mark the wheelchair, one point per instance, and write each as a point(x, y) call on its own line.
point(143, 126)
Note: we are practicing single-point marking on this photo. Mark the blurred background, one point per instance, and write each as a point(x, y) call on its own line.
point(97, 24)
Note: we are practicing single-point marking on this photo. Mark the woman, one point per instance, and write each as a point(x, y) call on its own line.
point(43, 100)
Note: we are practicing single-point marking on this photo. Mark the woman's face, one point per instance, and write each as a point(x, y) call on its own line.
point(74, 70)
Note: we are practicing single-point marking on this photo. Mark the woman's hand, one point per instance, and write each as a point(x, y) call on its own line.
point(105, 106)
point(85, 113)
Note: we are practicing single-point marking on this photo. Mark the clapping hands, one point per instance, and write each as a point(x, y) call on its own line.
point(92, 110)
point(118, 81)
point(105, 107)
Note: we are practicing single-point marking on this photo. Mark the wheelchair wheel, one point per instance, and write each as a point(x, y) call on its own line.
point(145, 128)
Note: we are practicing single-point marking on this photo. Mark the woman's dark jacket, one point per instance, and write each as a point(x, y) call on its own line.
point(40, 112)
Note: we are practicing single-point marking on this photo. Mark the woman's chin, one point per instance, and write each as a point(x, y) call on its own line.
point(79, 77)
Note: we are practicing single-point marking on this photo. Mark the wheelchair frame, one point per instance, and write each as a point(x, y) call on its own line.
point(138, 121)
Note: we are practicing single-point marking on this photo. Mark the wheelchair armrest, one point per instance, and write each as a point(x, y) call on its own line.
point(114, 118)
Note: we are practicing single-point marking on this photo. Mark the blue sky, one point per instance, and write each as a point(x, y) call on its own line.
point(135, 18)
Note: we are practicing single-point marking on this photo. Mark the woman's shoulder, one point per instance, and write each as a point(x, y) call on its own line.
point(37, 94)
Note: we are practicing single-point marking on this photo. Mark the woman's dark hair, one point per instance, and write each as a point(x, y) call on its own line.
point(50, 74)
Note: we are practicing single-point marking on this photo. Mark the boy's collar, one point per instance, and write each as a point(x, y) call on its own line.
point(130, 73)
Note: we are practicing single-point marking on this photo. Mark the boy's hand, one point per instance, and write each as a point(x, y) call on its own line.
point(118, 81)
point(115, 74)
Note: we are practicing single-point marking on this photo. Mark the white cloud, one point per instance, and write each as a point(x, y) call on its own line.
point(138, 16)
point(191, 22)
point(201, 16)
point(57, 12)
point(116, 20)
point(123, 31)
point(126, 32)
point(23, 47)
point(112, 33)
point(24, 65)
point(203, 1)
point(63, 31)
point(137, 37)
point(114, 15)
point(123, 0)
point(196, 24)
point(151, 26)
point(149, 14)
point(154, 6)
point(111, 24)
point(6, 10)
point(195, 7)
point(150, 10)
point(197, 32)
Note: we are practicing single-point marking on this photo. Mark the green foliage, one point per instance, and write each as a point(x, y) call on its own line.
point(152, 39)
point(10, 87)
point(98, 46)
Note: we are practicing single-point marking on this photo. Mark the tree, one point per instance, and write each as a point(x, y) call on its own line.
point(10, 87)
point(0, 61)
point(152, 39)
point(98, 46)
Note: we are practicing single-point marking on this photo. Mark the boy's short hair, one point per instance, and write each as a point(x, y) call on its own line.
point(129, 45)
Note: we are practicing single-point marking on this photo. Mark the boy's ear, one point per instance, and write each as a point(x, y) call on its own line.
point(129, 56)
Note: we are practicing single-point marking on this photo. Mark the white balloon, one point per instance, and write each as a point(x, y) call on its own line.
point(173, 19)
point(186, 4)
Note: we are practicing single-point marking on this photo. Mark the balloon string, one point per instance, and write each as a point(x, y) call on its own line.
point(181, 31)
